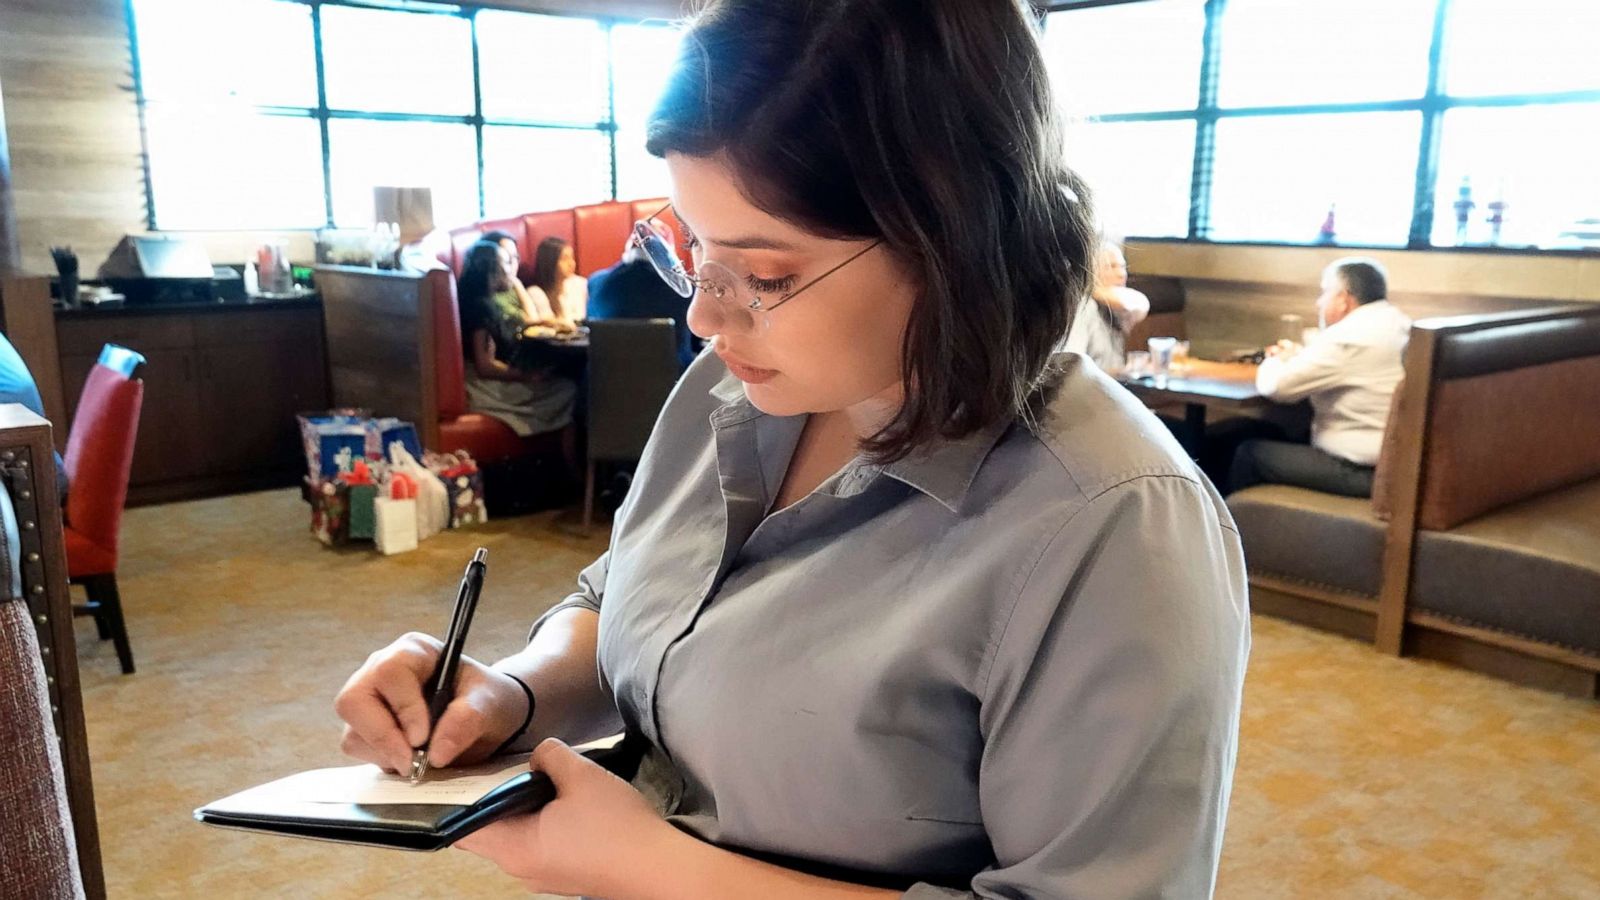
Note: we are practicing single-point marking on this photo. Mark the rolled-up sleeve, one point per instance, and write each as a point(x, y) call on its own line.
point(591, 588)
point(1110, 705)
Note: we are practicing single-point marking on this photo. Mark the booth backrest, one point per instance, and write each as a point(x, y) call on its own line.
point(1514, 412)
point(597, 233)
point(449, 360)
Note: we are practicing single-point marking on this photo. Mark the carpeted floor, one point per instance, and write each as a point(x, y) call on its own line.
point(1359, 776)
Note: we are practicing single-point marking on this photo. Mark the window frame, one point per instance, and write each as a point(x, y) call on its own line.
point(323, 113)
point(1432, 106)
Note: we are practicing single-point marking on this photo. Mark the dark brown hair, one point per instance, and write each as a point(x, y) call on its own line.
point(547, 272)
point(929, 124)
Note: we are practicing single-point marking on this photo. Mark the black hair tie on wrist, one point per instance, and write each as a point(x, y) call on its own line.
point(526, 720)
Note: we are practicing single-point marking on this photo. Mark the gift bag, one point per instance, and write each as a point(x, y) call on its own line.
point(324, 435)
point(363, 494)
point(383, 432)
point(464, 485)
point(395, 517)
point(433, 501)
point(330, 510)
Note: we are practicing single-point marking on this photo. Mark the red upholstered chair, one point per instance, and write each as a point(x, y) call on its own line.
point(99, 457)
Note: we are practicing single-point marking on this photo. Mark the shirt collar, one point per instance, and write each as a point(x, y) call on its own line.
point(944, 469)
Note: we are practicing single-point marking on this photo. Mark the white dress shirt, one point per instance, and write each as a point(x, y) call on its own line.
point(1350, 372)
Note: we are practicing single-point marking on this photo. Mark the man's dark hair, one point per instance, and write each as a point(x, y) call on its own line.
point(496, 236)
point(928, 124)
point(1363, 278)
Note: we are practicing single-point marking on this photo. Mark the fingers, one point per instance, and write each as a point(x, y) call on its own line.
point(464, 722)
point(559, 761)
point(354, 745)
point(382, 702)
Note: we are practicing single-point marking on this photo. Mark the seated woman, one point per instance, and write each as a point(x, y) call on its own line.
point(538, 316)
point(493, 320)
point(1100, 329)
point(558, 293)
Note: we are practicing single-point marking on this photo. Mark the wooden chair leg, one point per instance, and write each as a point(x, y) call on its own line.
point(106, 605)
point(588, 497)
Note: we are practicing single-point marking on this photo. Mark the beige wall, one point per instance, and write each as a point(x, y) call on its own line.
point(1235, 294)
point(73, 126)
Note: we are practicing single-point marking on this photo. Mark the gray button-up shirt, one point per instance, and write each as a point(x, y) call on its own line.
point(1007, 666)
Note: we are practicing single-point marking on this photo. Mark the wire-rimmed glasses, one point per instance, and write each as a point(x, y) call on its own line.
point(733, 289)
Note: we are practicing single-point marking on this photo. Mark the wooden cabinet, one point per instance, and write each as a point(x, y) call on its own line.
point(222, 387)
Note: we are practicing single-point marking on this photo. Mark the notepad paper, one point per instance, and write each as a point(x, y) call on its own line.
point(368, 784)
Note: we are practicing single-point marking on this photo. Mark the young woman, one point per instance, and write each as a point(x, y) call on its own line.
point(557, 291)
point(895, 605)
point(493, 319)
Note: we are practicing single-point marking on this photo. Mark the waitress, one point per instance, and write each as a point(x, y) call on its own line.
point(898, 604)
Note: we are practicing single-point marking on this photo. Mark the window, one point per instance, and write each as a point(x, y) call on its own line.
point(542, 68)
point(269, 114)
point(1393, 114)
point(1139, 173)
point(1533, 167)
point(222, 168)
point(366, 153)
point(384, 61)
point(643, 56)
point(1276, 177)
point(1138, 57)
point(527, 169)
point(1526, 47)
point(1302, 52)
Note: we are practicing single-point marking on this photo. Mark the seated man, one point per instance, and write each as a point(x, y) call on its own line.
point(1100, 328)
point(631, 289)
point(1350, 372)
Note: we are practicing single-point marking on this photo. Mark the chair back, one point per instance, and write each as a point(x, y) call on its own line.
point(633, 365)
point(38, 858)
point(1510, 409)
point(100, 448)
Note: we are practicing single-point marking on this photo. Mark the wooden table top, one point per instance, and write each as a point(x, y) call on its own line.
point(1229, 385)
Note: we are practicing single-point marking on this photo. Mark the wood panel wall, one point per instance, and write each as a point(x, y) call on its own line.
point(10, 254)
point(77, 175)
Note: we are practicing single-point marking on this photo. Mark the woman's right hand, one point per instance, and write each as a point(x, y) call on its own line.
point(386, 716)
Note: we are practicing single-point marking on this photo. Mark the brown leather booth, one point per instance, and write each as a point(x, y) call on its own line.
point(1482, 543)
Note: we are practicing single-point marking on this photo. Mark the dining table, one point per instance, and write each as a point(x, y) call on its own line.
point(1199, 385)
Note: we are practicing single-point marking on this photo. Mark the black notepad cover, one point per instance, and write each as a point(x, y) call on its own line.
point(399, 826)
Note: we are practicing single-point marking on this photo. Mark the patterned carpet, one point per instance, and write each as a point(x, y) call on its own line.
point(1359, 776)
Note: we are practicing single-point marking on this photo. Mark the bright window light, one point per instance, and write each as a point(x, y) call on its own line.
point(366, 153)
point(542, 68)
point(1275, 177)
point(1522, 47)
point(257, 52)
point(532, 169)
point(224, 168)
point(1139, 173)
point(378, 60)
point(1297, 52)
point(1138, 57)
point(1538, 161)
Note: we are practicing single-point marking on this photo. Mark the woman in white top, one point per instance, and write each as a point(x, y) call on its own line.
point(557, 290)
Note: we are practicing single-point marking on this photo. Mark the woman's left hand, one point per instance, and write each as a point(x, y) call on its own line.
point(598, 837)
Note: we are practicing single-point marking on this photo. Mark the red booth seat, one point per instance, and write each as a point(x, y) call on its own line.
point(598, 233)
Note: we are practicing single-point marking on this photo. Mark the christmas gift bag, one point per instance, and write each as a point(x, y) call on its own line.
point(330, 510)
point(395, 517)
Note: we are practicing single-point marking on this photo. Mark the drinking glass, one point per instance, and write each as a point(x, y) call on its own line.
point(1161, 358)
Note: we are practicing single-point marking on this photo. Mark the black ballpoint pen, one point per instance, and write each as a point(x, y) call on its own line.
point(441, 688)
